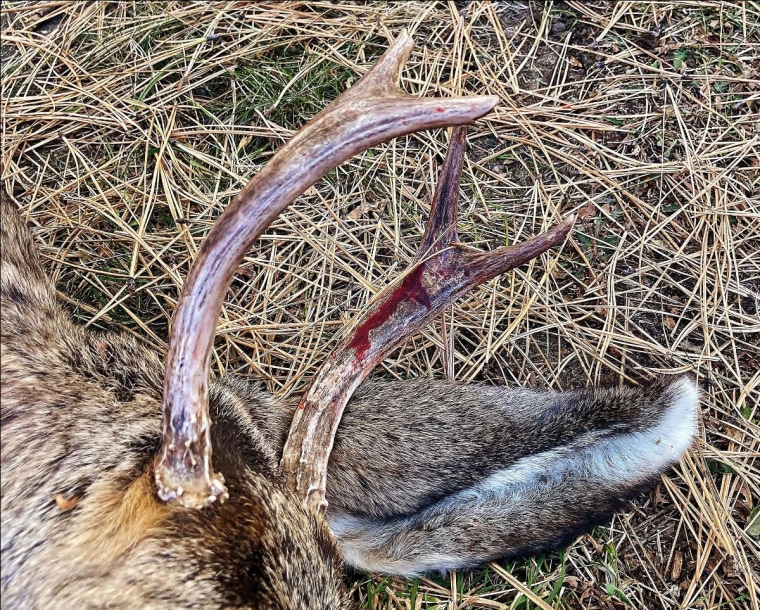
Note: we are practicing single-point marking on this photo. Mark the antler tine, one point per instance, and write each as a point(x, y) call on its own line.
point(373, 111)
point(441, 228)
point(383, 77)
point(443, 271)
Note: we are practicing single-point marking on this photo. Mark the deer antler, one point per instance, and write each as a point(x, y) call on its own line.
point(372, 111)
point(444, 271)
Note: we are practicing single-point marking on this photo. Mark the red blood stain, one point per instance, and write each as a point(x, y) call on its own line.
point(306, 403)
point(410, 289)
point(439, 109)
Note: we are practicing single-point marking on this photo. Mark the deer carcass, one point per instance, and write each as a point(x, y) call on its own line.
point(109, 494)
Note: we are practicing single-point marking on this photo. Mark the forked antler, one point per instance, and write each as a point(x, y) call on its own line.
point(444, 270)
point(372, 111)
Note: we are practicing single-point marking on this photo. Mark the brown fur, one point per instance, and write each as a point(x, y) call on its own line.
point(424, 474)
point(81, 419)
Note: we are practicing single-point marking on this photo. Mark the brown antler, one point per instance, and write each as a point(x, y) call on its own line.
point(372, 111)
point(444, 271)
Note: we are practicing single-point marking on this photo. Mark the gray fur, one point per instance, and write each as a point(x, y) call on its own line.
point(424, 474)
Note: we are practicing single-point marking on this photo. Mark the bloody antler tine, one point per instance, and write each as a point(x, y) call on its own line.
point(443, 272)
point(373, 111)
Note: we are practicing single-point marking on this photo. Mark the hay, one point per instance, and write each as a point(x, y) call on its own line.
point(127, 127)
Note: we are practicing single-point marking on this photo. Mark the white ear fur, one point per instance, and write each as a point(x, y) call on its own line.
point(662, 446)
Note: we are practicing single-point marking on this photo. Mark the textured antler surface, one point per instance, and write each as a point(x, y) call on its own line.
point(373, 111)
point(445, 270)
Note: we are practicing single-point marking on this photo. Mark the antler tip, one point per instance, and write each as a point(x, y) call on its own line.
point(400, 48)
point(403, 36)
point(486, 103)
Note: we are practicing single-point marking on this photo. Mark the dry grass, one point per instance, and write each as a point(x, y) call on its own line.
point(128, 126)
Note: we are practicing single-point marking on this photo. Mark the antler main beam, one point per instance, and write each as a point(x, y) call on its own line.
point(443, 272)
point(372, 111)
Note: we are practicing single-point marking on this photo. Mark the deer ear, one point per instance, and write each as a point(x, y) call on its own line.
point(373, 111)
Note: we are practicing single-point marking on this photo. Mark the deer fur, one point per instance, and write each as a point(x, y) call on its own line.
point(424, 475)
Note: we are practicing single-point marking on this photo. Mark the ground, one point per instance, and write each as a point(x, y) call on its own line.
point(127, 127)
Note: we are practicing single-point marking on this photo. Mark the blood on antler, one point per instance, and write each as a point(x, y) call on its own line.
point(372, 111)
point(444, 270)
